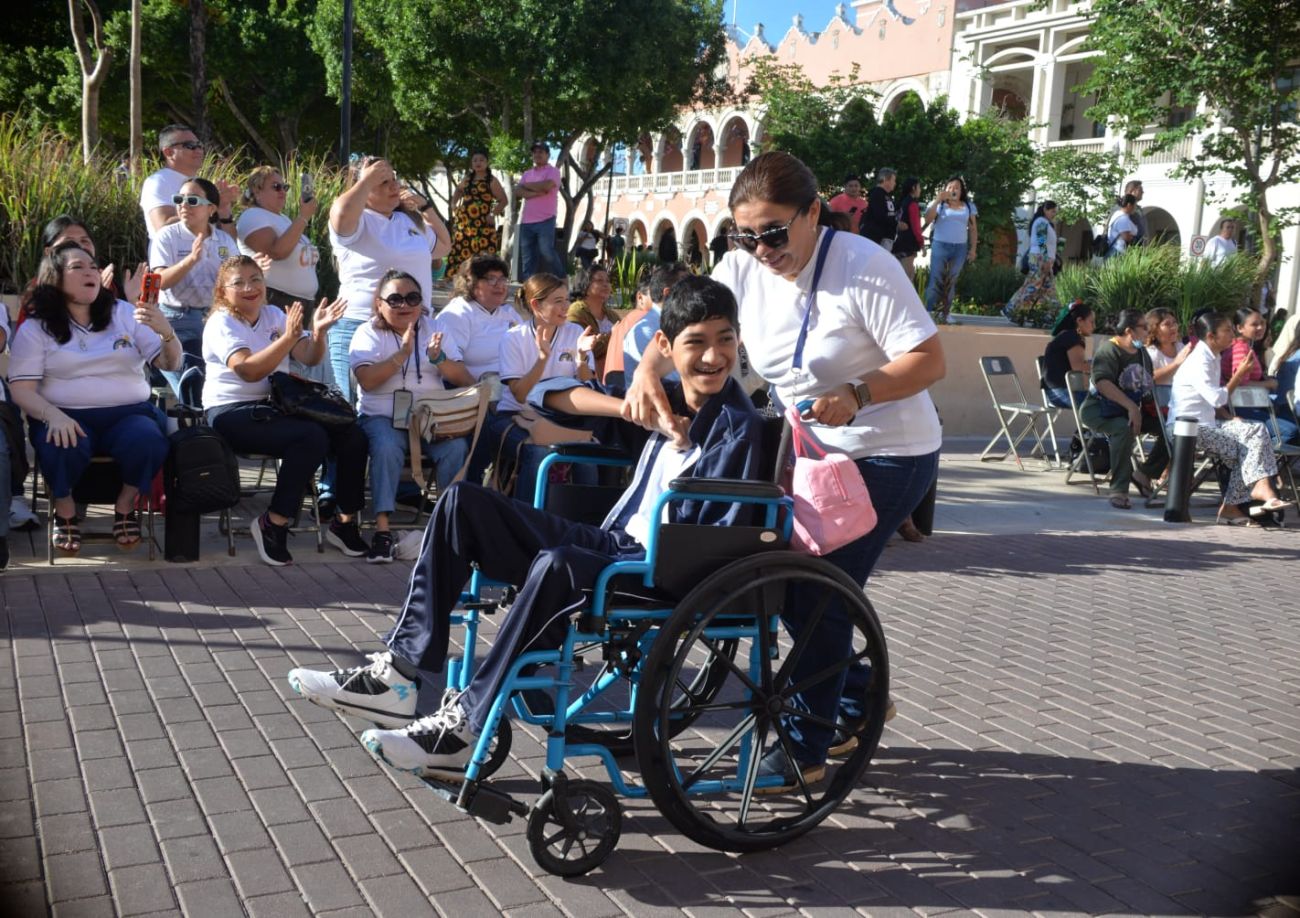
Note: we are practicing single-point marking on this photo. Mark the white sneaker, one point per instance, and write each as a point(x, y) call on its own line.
point(378, 692)
point(20, 514)
point(437, 746)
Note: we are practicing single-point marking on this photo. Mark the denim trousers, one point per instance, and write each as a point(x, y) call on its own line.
point(897, 485)
point(134, 435)
point(188, 326)
point(537, 249)
point(946, 260)
point(340, 338)
point(388, 451)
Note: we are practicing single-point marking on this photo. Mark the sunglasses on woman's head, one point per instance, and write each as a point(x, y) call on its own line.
point(410, 300)
point(775, 237)
point(190, 200)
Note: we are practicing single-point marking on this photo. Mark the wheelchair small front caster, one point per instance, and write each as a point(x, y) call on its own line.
point(574, 827)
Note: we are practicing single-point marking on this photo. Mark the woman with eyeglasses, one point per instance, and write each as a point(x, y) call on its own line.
point(244, 342)
point(378, 225)
point(265, 229)
point(188, 255)
point(398, 350)
point(76, 370)
point(853, 339)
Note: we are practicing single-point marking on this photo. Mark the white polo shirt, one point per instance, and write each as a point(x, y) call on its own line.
point(519, 353)
point(295, 274)
point(378, 244)
point(372, 345)
point(223, 336)
point(157, 191)
point(93, 369)
point(867, 314)
point(472, 335)
point(173, 245)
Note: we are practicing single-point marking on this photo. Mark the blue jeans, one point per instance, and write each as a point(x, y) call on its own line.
point(1060, 397)
point(896, 485)
point(134, 435)
point(340, 337)
point(388, 450)
point(188, 326)
point(537, 249)
point(946, 259)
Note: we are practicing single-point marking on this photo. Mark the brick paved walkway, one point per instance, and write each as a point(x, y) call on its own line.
point(1102, 721)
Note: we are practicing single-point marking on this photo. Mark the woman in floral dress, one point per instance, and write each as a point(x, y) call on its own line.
point(476, 203)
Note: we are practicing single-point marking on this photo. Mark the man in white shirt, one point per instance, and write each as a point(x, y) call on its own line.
point(1123, 231)
point(182, 154)
point(1222, 245)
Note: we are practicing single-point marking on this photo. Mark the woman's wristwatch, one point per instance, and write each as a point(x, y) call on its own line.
point(862, 394)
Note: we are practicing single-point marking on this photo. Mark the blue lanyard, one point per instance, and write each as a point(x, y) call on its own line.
point(415, 352)
point(812, 297)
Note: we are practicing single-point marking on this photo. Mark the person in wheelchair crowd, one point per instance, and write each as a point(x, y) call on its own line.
point(650, 294)
point(712, 431)
point(1121, 406)
point(76, 370)
point(866, 364)
point(1067, 352)
point(188, 255)
point(245, 340)
point(1244, 446)
point(398, 351)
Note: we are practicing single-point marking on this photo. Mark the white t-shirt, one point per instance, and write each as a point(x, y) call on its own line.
point(223, 336)
point(1218, 248)
point(372, 345)
point(669, 464)
point(472, 335)
point(157, 191)
point(1048, 243)
point(173, 245)
point(1158, 359)
point(867, 314)
point(378, 244)
point(1122, 223)
point(951, 224)
point(93, 369)
point(294, 274)
point(519, 353)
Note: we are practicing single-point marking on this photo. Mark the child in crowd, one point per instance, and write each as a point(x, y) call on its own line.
point(716, 435)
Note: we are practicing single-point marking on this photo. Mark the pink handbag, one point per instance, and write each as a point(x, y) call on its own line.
point(831, 504)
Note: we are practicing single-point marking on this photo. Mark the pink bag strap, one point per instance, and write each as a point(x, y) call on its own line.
point(805, 444)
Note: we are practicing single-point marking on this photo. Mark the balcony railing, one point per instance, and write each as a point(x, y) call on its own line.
point(1083, 144)
point(1140, 148)
point(698, 180)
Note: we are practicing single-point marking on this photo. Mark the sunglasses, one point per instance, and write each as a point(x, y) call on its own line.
point(278, 186)
point(409, 300)
point(189, 144)
point(190, 200)
point(774, 238)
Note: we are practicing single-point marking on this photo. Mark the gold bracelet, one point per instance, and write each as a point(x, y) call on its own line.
point(170, 338)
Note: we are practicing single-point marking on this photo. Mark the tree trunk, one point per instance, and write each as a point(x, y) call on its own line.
point(259, 141)
point(198, 70)
point(1268, 248)
point(93, 70)
point(137, 112)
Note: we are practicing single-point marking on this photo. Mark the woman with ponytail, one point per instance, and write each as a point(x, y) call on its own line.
point(1067, 351)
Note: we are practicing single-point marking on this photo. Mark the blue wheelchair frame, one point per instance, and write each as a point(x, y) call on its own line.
point(574, 711)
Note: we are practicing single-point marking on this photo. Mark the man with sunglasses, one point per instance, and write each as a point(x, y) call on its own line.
point(182, 154)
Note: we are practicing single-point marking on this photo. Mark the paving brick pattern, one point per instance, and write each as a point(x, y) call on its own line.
point(1088, 723)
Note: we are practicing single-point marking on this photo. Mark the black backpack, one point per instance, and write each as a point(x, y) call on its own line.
point(1101, 244)
point(202, 473)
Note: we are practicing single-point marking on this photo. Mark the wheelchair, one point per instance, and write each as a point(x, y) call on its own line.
point(698, 676)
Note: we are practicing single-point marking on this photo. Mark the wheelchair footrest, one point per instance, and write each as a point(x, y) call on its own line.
point(479, 800)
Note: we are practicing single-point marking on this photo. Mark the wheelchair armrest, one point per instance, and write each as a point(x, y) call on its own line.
point(590, 450)
point(727, 487)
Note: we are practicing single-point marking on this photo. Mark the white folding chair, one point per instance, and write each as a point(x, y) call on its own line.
point(1053, 411)
point(1011, 411)
point(1076, 382)
point(1258, 397)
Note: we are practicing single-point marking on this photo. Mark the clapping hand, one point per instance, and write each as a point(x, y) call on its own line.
point(327, 314)
point(263, 261)
point(587, 341)
point(293, 320)
point(228, 194)
point(435, 345)
point(196, 249)
point(408, 341)
point(545, 339)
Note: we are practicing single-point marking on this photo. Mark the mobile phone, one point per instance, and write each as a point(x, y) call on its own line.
point(402, 402)
point(308, 187)
point(150, 288)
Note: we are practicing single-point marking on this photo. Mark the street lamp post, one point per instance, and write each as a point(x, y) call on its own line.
point(345, 101)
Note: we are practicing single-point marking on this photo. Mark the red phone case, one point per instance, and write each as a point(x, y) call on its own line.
point(150, 288)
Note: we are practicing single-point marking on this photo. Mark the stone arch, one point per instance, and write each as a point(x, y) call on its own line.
point(736, 139)
point(693, 243)
point(895, 94)
point(1008, 56)
point(669, 156)
point(1161, 226)
point(699, 146)
point(636, 231)
point(1073, 46)
point(665, 226)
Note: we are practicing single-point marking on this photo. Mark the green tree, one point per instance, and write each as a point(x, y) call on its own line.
point(1233, 65)
point(997, 160)
point(1081, 183)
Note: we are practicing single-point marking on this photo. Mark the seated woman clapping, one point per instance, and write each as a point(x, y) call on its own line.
point(398, 351)
point(77, 371)
point(1242, 445)
point(245, 340)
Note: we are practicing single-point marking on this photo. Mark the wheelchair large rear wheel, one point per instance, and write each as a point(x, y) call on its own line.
point(705, 779)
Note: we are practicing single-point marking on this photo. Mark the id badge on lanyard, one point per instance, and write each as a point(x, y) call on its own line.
point(403, 399)
point(799, 377)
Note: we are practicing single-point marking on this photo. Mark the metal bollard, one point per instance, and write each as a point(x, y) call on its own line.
point(1180, 471)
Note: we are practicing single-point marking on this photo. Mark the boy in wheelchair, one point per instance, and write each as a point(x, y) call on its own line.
point(552, 559)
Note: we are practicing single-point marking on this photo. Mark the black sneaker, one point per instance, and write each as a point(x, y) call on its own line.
point(329, 508)
point(4, 552)
point(272, 542)
point(776, 763)
point(381, 548)
point(346, 537)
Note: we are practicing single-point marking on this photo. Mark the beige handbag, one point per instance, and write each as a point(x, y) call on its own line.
point(444, 416)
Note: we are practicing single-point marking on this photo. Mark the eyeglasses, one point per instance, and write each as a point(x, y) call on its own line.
point(774, 238)
point(495, 280)
point(278, 186)
point(190, 200)
point(189, 144)
point(249, 284)
point(409, 300)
